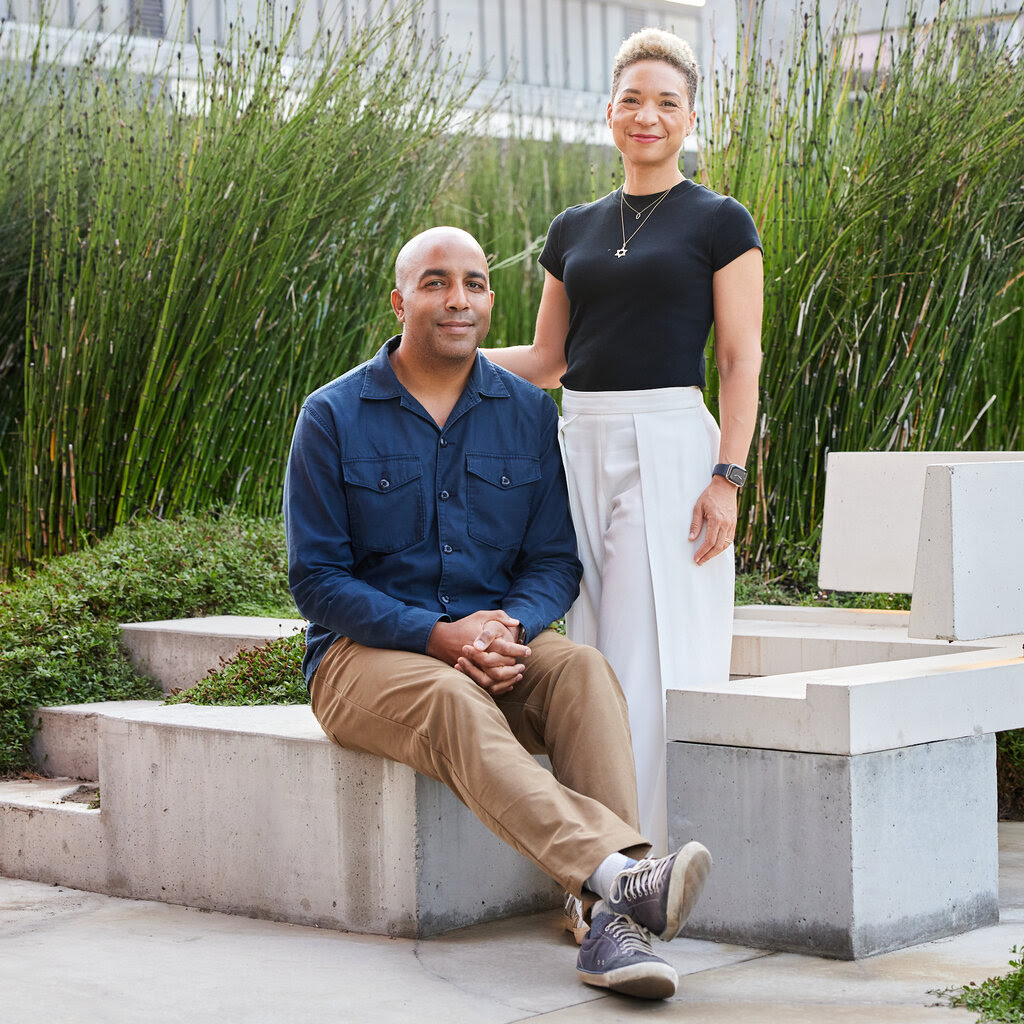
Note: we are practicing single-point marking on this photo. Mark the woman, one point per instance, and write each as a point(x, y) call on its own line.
point(633, 283)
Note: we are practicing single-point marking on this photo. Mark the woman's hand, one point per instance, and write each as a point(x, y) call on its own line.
point(715, 511)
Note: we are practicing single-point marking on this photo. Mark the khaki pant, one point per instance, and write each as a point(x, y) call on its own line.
point(415, 709)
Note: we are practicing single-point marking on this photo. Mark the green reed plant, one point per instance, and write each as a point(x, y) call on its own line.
point(890, 204)
point(506, 193)
point(214, 243)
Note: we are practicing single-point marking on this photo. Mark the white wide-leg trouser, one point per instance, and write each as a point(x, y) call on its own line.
point(636, 462)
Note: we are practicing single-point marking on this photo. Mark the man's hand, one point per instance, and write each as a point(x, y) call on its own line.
point(483, 646)
point(492, 661)
point(717, 507)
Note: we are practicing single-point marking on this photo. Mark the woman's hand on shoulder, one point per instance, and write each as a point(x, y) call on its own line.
point(715, 511)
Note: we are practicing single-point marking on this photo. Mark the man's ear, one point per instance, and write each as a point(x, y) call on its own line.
point(399, 306)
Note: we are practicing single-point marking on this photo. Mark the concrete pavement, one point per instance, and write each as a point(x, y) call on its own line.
point(73, 957)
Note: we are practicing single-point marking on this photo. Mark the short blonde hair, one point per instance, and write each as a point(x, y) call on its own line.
point(657, 44)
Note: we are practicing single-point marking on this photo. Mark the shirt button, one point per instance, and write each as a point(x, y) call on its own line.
point(444, 442)
point(447, 549)
point(384, 484)
point(505, 482)
point(444, 599)
point(444, 495)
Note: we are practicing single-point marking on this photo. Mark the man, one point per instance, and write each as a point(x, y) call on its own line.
point(430, 546)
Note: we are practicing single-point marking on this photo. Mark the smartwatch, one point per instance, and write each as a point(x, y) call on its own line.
point(733, 473)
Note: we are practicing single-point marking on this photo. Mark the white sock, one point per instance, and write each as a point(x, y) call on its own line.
point(601, 880)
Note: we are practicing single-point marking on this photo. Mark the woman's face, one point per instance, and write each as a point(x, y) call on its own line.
point(650, 114)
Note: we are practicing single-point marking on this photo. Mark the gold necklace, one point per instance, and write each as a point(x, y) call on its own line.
point(647, 211)
point(634, 209)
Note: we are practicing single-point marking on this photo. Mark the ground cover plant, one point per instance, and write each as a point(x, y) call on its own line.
point(59, 636)
point(271, 674)
point(996, 999)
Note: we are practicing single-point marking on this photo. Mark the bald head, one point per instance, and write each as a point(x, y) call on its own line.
point(410, 258)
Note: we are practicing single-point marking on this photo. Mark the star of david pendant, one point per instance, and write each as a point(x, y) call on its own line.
point(619, 253)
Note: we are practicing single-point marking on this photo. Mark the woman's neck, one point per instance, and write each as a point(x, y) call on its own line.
point(645, 181)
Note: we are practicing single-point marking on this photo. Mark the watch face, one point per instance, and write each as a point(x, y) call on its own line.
point(736, 475)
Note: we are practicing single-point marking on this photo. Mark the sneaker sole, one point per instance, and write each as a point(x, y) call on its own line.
point(686, 883)
point(642, 981)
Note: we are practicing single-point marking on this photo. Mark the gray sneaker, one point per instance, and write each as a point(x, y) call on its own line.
point(617, 955)
point(659, 894)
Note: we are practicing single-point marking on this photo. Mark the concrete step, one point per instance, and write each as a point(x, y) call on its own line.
point(46, 836)
point(177, 653)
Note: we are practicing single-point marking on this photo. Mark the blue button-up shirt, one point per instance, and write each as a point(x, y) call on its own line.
point(395, 523)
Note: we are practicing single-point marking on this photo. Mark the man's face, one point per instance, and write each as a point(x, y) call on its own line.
point(443, 298)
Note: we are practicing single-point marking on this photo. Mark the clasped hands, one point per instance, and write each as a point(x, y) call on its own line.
point(482, 646)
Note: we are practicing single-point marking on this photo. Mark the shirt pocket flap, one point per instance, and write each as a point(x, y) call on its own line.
point(504, 471)
point(383, 473)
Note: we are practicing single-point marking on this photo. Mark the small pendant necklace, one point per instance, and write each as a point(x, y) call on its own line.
point(645, 213)
point(630, 206)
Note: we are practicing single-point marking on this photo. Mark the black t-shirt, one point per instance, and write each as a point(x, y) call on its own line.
point(642, 321)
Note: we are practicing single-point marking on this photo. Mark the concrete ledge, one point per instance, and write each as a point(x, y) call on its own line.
point(770, 641)
point(66, 740)
point(860, 709)
point(253, 811)
point(179, 652)
point(840, 856)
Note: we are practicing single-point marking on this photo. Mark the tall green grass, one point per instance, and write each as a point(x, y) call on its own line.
point(506, 193)
point(206, 255)
point(189, 271)
point(890, 202)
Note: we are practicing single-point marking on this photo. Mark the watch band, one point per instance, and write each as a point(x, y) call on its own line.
point(734, 474)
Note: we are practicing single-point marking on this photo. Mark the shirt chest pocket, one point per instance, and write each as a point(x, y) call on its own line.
point(500, 491)
point(386, 508)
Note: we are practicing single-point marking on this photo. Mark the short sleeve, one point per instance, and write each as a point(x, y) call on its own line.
point(732, 233)
point(552, 257)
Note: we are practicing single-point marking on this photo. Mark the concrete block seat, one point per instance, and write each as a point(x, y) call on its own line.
point(253, 811)
point(845, 781)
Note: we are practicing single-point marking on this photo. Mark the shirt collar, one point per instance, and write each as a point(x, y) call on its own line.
point(381, 383)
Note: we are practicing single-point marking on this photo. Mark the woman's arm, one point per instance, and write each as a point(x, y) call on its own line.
point(738, 296)
point(543, 362)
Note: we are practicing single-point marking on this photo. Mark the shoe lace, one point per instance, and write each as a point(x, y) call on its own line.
point(629, 936)
point(640, 880)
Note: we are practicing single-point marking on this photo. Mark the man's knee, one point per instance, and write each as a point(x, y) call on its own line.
point(583, 668)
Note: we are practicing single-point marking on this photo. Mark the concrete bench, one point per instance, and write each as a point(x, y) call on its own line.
point(253, 811)
point(850, 804)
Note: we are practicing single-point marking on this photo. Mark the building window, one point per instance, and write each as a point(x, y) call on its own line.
point(147, 18)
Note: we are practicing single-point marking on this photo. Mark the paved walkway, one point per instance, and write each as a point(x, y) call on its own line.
point(68, 957)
